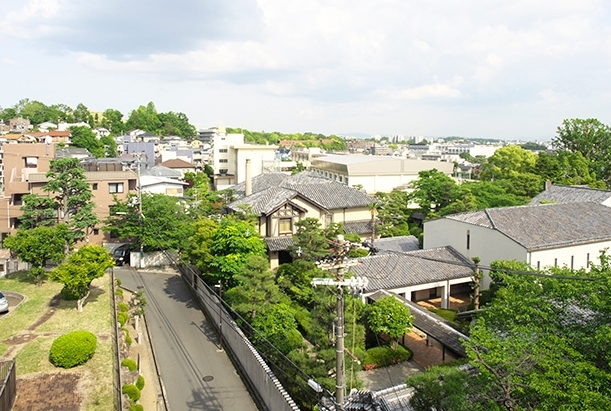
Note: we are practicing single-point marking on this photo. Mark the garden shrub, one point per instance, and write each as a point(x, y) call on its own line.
point(136, 407)
point(118, 281)
point(383, 356)
point(358, 253)
point(128, 338)
point(72, 349)
point(123, 307)
point(131, 391)
point(68, 295)
point(119, 293)
point(140, 382)
point(122, 317)
point(130, 364)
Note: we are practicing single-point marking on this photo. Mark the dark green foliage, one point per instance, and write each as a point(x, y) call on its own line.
point(122, 317)
point(131, 391)
point(130, 364)
point(358, 253)
point(72, 349)
point(140, 382)
point(440, 388)
point(139, 302)
point(384, 356)
point(68, 294)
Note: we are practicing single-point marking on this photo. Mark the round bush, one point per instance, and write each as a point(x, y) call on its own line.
point(140, 382)
point(136, 407)
point(122, 317)
point(72, 349)
point(130, 364)
point(123, 307)
point(131, 391)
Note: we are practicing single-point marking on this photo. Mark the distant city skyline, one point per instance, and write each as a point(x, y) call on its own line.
point(476, 69)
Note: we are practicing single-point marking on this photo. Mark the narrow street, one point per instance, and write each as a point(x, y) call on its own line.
point(195, 374)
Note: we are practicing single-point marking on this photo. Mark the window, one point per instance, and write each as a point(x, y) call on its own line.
point(94, 186)
point(96, 231)
point(222, 150)
point(468, 239)
point(17, 199)
point(572, 261)
point(223, 160)
point(115, 187)
point(285, 225)
point(31, 162)
point(588, 260)
point(555, 262)
point(223, 171)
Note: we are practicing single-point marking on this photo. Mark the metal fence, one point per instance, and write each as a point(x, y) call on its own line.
point(8, 385)
point(266, 386)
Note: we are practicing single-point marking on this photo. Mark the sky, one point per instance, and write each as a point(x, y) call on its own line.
point(500, 69)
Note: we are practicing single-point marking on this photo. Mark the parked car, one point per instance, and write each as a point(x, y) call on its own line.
point(3, 303)
point(122, 254)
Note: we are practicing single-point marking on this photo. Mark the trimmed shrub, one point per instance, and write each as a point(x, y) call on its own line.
point(122, 317)
point(358, 253)
point(119, 293)
point(130, 364)
point(118, 281)
point(383, 356)
point(136, 407)
point(128, 338)
point(131, 391)
point(140, 382)
point(123, 307)
point(72, 349)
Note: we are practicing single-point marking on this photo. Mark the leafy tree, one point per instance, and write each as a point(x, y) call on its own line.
point(391, 317)
point(144, 118)
point(37, 211)
point(592, 139)
point(531, 146)
point(113, 121)
point(565, 167)
point(508, 162)
point(490, 194)
point(35, 111)
point(277, 325)
point(295, 280)
point(164, 224)
point(440, 388)
point(233, 242)
point(84, 137)
point(8, 114)
point(109, 145)
point(540, 333)
point(37, 245)
point(255, 290)
point(83, 266)
point(72, 196)
point(393, 213)
point(198, 250)
point(176, 124)
point(434, 190)
point(82, 114)
point(309, 241)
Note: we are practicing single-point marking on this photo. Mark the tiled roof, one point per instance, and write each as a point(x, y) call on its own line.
point(571, 194)
point(399, 244)
point(279, 243)
point(358, 227)
point(327, 194)
point(266, 201)
point(177, 163)
point(545, 226)
point(162, 171)
point(396, 270)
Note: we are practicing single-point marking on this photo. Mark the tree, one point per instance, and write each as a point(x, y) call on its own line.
point(84, 137)
point(233, 242)
point(440, 389)
point(592, 139)
point(113, 121)
point(176, 124)
point(309, 242)
point(163, 225)
point(255, 290)
point(144, 118)
point(434, 190)
point(109, 145)
point(507, 163)
point(393, 213)
point(38, 245)
point(545, 332)
point(82, 114)
point(568, 168)
point(83, 266)
point(391, 317)
point(72, 196)
point(277, 326)
point(37, 211)
point(198, 249)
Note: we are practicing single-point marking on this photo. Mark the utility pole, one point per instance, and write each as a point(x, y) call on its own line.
point(340, 250)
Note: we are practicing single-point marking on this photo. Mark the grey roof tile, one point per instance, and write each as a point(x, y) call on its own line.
point(545, 226)
point(571, 194)
point(395, 270)
point(279, 243)
point(398, 244)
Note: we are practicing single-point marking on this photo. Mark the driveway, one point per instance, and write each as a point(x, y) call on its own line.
point(194, 373)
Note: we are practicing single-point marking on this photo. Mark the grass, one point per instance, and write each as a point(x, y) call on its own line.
point(448, 315)
point(97, 375)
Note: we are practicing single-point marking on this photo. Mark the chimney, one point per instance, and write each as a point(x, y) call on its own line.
point(548, 185)
point(248, 179)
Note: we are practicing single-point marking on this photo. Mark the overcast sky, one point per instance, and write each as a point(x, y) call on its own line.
point(473, 68)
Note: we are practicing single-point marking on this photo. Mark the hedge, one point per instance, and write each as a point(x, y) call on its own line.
point(72, 349)
point(122, 317)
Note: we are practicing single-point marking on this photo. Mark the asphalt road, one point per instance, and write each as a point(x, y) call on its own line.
point(195, 374)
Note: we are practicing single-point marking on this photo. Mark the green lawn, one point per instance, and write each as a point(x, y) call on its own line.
point(33, 357)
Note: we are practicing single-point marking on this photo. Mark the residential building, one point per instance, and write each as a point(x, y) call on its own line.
point(162, 185)
point(374, 173)
point(561, 194)
point(281, 200)
point(179, 165)
point(571, 234)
